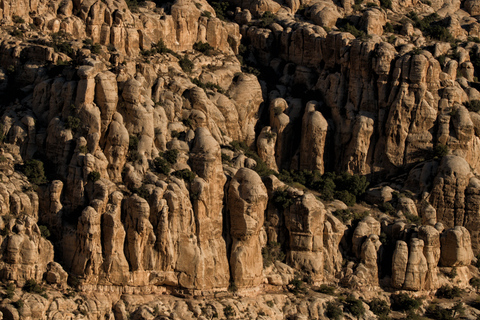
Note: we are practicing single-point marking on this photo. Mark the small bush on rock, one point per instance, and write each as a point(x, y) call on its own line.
point(333, 311)
point(35, 171)
point(271, 253)
point(403, 302)
point(185, 174)
point(32, 286)
point(448, 292)
point(354, 307)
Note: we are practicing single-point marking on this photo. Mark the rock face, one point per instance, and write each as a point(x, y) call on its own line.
point(409, 265)
point(137, 145)
point(247, 201)
point(431, 251)
point(456, 247)
point(314, 131)
point(305, 222)
point(207, 163)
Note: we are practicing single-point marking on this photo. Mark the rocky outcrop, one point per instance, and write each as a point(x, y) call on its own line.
point(247, 200)
point(305, 223)
point(431, 251)
point(208, 205)
point(456, 247)
point(409, 265)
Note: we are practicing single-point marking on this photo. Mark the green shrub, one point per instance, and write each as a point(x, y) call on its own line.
point(207, 14)
point(326, 289)
point(132, 5)
point(379, 307)
point(353, 30)
point(185, 174)
point(96, 48)
point(475, 282)
point(18, 304)
point(161, 165)
point(271, 253)
point(60, 44)
point(220, 8)
point(432, 26)
point(387, 4)
point(448, 292)
point(403, 302)
point(453, 273)
point(346, 197)
point(412, 218)
point(229, 312)
point(297, 286)
point(32, 286)
point(333, 311)
point(267, 19)
point(186, 64)
point(171, 156)
point(142, 192)
point(261, 168)
point(132, 142)
point(10, 291)
point(440, 151)
point(389, 27)
point(354, 307)
point(371, 5)
point(17, 19)
point(387, 208)
point(282, 199)
point(232, 287)
point(35, 171)
point(83, 149)
point(94, 176)
point(2, 136)
point(160, 48)
point(343, 215)
point(44, 231)
point(473, 105)
point(344, 186)
point(203, 47)
point(73, 281)
point(72, 123)
point(270, 303)
point(209, 85)
point(133, 156)
point(435, 311)
point(226, 158)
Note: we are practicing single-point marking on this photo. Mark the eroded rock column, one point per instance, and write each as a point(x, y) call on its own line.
point(247, 201)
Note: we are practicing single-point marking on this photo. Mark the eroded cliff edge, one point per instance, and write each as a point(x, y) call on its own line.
point(140, 156)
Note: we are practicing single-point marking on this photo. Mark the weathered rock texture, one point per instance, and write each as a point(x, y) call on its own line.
point(247, 201)
point(147, 125)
